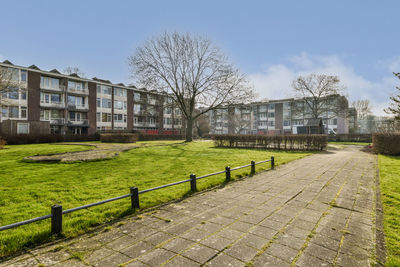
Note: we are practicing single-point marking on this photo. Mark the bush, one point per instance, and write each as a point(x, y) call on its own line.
point(48, 138)
point(386, 143)
point(367, 138)
point(119, 137)
point(151, 137)
point(279, 142)
point(2, 143)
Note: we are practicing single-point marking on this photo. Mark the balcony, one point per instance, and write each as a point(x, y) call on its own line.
point(60, 121)
point(60, 88)
point(81, 123)
point(78, 107)
point(53, 104)
point(81, 91)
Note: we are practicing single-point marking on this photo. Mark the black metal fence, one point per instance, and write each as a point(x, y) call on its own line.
point(57, 211)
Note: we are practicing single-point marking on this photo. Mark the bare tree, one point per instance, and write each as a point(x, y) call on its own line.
point(193, 71)
point(320, 96)
point(394, 107)
point(9, 82)
point(238, 121)
point(74, 70)
point(363, 108)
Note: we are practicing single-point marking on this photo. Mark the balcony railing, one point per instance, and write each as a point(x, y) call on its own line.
point(78, 123)
point(78, 107)
point(78, 91)
point(60, 121)
point(53, 104)
point(60, 88)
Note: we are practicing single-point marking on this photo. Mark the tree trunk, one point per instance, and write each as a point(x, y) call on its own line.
point(189, 130)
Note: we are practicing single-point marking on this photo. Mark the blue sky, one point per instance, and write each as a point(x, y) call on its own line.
point(271, 41)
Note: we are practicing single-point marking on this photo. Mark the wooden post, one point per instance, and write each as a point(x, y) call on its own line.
point(228, 173)
point(193, 185)
point(253, 168)
point(135, 198)
point(56, 219)
point(272, 162)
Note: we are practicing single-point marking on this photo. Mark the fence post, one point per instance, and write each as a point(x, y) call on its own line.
point(56, 219)
point(193, 185)
point(228, 173)
point(272, 162)
point(253, 168)
point(135, 198)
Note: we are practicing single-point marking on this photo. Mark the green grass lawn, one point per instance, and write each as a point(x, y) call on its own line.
point(389, 170)
point(28, 190)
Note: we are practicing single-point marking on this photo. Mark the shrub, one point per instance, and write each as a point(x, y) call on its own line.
point(350, 138)
point(279, 142)
point(47, 138)
point(386, 143)
point(2, 143)
point(151, 137)
point(119, 137)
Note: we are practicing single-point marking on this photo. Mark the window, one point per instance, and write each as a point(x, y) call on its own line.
point(168, 110)
point(47, 82)
point(271, 123)
point(106, 90)
point(119, 92)
point(136, 96)
point(23, 112)
point(106, 103)
point(22, 128)
point(271, 114)
point(137, 108)
point(263, 115)
point(262, 123)
point(23, 75)
point(44, 115)
point(286, 123)
point(23, 94)
point(13, 93)
point(4, 112)
point(271, 106)
point(98, 102)
point(55, 98)
point(79, 86)
point(98, 89)
point(98, 116)
point(119, 104)
point(106, 117)
point(13, 112)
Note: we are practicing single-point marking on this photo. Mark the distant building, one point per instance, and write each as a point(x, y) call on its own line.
point(74, 105)
point(274, 117)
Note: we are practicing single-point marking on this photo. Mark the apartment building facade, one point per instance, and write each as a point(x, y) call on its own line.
point(271, 117)
point(69, 104)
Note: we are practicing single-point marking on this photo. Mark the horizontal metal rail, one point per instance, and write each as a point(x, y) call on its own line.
point(95, 204)
point(163, 186)
point(208, 175)
point(13, 225)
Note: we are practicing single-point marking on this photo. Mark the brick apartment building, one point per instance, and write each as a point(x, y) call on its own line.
point(272, 117)
point(51, 102)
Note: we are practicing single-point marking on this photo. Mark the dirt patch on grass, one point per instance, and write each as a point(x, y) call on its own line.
point(100, 152)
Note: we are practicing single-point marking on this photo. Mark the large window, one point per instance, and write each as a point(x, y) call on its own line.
point(121, 105)
point(119, 92)
point(137, 108)
point(119, 117)
point(106, 117)
point(76, 101)
point(136, 96)
point(50, 98)
point(22, 128)
point(78, 86)
point(106, 103)
point(77, 116)
point(48, 82)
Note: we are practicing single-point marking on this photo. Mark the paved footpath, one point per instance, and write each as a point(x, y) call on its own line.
point(316, 211)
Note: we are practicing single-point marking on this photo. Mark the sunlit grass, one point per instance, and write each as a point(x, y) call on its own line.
point(389, 170)
point(28, 190)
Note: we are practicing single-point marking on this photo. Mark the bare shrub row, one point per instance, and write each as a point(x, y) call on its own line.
point(386, 143)
point(279, 142)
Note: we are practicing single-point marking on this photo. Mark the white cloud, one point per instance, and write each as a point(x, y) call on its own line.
point(275, 81)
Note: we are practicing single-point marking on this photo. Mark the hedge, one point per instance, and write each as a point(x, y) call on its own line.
point(350, 138)
point(47, 138)
point(279, 142)
point(119, 137)
point(151, 137)
point(386, 143)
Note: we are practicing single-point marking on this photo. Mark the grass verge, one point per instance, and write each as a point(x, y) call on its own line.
point(389, 170)
point(28, 190)
point(350, 143)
